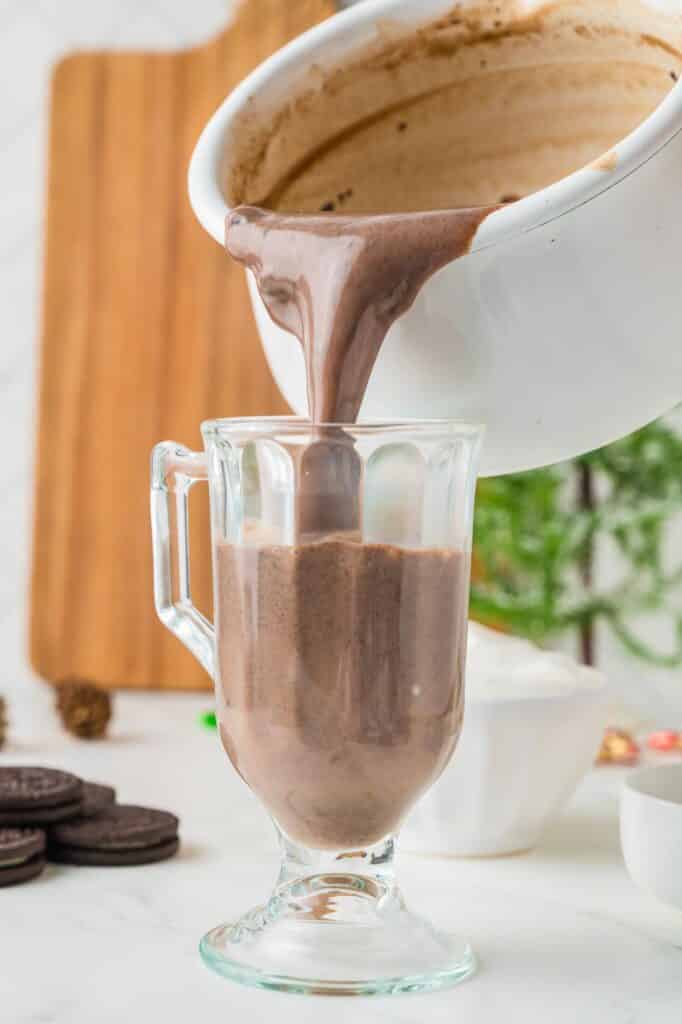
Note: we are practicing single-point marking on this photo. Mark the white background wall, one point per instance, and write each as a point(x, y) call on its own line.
point(33, 34)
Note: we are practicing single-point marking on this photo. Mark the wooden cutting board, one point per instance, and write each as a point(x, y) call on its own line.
point(147, 331)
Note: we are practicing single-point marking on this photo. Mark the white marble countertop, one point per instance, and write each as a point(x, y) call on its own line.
point(562, 933)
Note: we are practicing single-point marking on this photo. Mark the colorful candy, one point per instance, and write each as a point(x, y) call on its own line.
point(665, 741)
point(208, 720)
point(618, 747)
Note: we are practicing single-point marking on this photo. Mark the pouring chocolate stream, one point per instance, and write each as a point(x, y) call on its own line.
point(340, 282)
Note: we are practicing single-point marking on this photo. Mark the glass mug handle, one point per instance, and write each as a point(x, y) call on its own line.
point(175, 470)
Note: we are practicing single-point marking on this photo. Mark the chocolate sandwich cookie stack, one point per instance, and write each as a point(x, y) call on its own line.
point(53, 815)
point(32, 799)
point(22, 855)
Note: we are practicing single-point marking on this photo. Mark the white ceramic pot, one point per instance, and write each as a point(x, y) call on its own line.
point(560, 331)
point(532, 727)
point(651, 830)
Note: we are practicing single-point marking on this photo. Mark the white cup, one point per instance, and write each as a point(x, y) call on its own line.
point(560, 331)
point(651, 830)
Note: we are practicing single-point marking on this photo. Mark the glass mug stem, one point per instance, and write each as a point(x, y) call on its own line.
point(338, 663)
point(352, 885)
point(376, 864)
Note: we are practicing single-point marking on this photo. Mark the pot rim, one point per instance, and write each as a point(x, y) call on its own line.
point(528, 214)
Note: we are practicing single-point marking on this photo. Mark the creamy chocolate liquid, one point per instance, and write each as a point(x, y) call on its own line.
point(339, 283)
point(341, 693)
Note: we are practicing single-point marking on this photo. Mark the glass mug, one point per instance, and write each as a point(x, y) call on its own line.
point(341, 564)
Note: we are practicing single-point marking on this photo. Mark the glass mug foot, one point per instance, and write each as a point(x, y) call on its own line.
point(337, 932)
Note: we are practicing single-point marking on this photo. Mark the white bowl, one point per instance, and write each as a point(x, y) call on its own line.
point(651, 830)
point(516, 766)
point(568, 296)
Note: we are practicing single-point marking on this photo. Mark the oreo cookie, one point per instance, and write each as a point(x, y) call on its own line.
point(38, 796)
point(81, 857)
point(21, 855)
point(121, 835)
point(96, 798)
